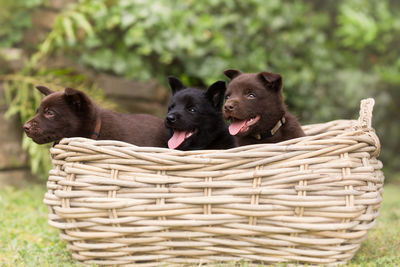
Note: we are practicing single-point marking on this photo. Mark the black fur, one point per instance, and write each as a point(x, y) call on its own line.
point(198, 111)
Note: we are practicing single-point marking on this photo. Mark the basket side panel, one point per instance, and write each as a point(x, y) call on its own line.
point(311, 201)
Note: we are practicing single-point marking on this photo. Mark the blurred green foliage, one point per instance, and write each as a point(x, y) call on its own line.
point(331, 53)
point(15, 19)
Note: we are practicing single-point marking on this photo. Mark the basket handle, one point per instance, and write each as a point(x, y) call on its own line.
point(365, 123)
point(366, 108)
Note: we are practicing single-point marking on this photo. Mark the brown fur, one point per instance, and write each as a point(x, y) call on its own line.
point(73, 114)
point(259, 94)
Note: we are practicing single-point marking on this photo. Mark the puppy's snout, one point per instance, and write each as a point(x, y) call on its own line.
point(171, 118)
point(27, 126)
point(229, 106)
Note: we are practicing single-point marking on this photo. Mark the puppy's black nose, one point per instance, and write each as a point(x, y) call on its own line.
point(171, 118)
point(27, 127)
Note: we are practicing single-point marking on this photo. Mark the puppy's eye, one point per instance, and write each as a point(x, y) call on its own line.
point(251, 95)
point(191, 109)
point(227, 96)
point(49, 113)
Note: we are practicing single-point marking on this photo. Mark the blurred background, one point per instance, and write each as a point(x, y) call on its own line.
point(330, 53)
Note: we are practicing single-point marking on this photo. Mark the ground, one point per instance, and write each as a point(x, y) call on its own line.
point(27, 240)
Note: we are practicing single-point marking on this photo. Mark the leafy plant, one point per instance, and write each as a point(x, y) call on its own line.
point(15, 19)
point(197, 40)
point(330, 54)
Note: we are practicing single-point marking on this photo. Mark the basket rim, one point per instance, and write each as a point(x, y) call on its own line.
point(362, 125)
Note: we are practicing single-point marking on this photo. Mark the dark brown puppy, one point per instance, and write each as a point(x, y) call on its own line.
point(255, 107)
point(73, 114)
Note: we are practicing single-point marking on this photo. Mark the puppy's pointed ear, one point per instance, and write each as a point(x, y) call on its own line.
point(44, 90)
point(215, 93)
point(175, 84)
point(232, 73)
point(271, 80)
point(78, 100)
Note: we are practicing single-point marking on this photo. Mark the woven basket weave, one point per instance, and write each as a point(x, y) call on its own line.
point(309, 200)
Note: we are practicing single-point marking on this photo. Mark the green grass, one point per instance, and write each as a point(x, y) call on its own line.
point(25, 237)
point(382, 248)
point(27, 240)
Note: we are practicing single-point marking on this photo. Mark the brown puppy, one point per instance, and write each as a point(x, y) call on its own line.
point(72, 114)
point(255, 107)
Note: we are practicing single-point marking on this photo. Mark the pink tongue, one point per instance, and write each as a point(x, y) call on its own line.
point(236, 126)
point(177, 139)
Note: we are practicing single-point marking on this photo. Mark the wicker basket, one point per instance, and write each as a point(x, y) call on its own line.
point(309, 200)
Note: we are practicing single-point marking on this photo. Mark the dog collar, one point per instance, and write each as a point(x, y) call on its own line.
point(271, 132)
point(96, 132)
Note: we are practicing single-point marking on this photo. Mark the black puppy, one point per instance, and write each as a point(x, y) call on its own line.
point(195, 117)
